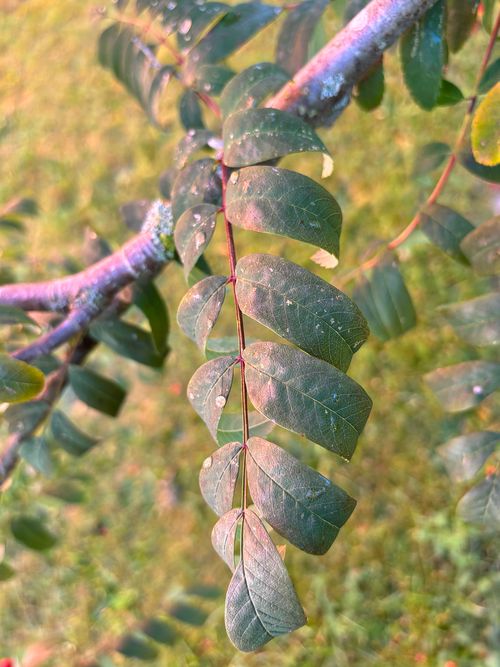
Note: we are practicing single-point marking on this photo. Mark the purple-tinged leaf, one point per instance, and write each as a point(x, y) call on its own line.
point(296, 32)
point(445, 228)
point(257, 135)
point(218, 476)
point(193, 232)
point(299, 503)
point(306, 395)
point(247, 89)
point(200, 307)
point(261, 602)
point(482, 248)
point(224, 536)
point(465, 455)
point(300, 307)
point(482, 503)
point(191, 143)
point(209, 388)
point(197, 183)
point(476, 321)
point(279, 201)
point(464, 386)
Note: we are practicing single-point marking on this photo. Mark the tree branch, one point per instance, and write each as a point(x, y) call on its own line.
point(322, 89)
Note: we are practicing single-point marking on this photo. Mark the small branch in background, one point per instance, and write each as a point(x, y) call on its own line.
point(443, 179)
point(321, 90)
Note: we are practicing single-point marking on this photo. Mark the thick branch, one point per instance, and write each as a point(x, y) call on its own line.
point(322, 88)
point(143, 255)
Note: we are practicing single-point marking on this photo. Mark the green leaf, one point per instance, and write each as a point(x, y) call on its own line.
point(137, 646)
point(197, 183)
point(422, 56)
point(149, 300)
point(200, 16)
point(6, 572)
point(218, 347)
point(190, 111)
point(306, 395)
point(188, 614)
point(446, 229)
point(218, 476)
point(231, 32)
point(12, 315)
point(465, 455)
point(300, 307)
point(430, 157)
point(36, 452)
point(24, 206)
point(204, 591)
point(18, 380)
point(129, 341)
point(193, 142)
point(279, 201)
point(490, 77)
point(231, 428)
point(258, 135)
point(250, 87)
point(94, 390)
point(31, 532)
point(23, 418)
point(476, 321)
point(449, 94)
point(66, 491)
point(485, 129)
point(385, 302)
point(68, 436)
point(261, 602)
point(209, 388)
point(482, 247)
point(212, 79)
point(224, 536)
point(193, 232)
point(370, 89)
point(464, 385)
point(200, 271)
point(299, 503)
point(482, 503)
point(460, 18)
point(160, 631)
point(200, 307)
point(297, 30)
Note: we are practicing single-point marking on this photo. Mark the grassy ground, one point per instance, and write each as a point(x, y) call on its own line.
point(407, 582)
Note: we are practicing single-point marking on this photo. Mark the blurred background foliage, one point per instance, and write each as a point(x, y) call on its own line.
point(407, 582)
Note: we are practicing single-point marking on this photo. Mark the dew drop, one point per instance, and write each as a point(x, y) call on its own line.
point(220, 401)
point(477, 389)
point(199, 239)
point(234, 177)
point(207, 463)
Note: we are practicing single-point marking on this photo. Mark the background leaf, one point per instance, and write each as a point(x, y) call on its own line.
point(129, 341)
point(476, 321)
point(482, 503)
point(464, 385)
point(18, 380)
point(445, 228)
point(68, 436)
point(248, 88)
point(94, 390)
point(465, 455)
point(485, 129)
point(422, 56)
point(31, 532)
point(370, 89)
point(482, 247)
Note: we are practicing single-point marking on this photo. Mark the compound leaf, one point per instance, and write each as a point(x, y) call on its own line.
point(261, 602)
point(248, 88)
point(306, 395)
point(279, 201)
point(257, 135)
point(209, 388)
point(193, 232)
point(299, 503)
point(300, 307)
point(218, 476)
point(200, 307)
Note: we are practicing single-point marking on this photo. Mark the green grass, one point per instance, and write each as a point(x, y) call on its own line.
point(407, 582)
